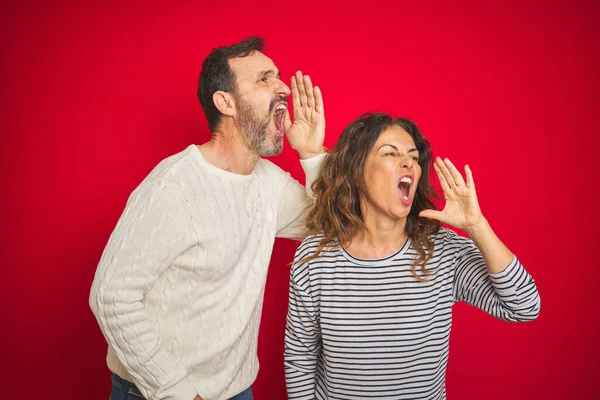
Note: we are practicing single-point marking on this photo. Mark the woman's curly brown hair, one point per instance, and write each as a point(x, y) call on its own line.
point(336, 212)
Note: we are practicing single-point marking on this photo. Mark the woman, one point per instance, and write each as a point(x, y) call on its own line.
point(372, 288)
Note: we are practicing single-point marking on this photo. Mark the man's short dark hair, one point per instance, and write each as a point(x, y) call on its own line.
point(216, 75)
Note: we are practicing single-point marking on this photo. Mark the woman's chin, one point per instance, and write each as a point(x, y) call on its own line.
point(401, 212)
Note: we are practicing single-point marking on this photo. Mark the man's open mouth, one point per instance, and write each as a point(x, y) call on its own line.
point(279, 117)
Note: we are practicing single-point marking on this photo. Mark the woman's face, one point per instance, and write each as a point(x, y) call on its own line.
point(391, 174)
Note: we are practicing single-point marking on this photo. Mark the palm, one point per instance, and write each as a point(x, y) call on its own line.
point(462, 207)
point(307, 132)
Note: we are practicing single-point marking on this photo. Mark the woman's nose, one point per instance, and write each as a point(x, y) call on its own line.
point(406, 162)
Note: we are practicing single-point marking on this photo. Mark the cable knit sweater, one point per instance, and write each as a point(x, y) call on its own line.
point(178, 292)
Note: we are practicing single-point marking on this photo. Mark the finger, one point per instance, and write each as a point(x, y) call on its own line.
point(438, 170)
point(456, 176)
point(319, 101)
point(432, 214)
point(310, 96)
point(469, 174)
point(295, 94)
point(287, 121)
point(301, 91)
point(447, 175)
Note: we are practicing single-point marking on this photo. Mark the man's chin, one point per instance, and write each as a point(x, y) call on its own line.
point(273, 152)
point(275, 149)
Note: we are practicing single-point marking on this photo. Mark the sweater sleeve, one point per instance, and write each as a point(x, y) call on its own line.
point(510, 295)
point(296, 201)
point(302, 336)
point(150, 235)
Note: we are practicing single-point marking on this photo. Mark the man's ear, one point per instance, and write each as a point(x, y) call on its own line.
point(224, 102)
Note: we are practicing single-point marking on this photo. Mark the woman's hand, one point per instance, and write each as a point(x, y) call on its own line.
point(462, 208)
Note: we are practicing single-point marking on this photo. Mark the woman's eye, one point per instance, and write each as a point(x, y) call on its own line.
point(390, 154)
point(416, 159)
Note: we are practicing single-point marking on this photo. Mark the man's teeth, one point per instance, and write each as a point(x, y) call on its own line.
point(280, 107)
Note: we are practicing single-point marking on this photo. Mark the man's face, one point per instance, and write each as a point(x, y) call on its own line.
point(261, 102)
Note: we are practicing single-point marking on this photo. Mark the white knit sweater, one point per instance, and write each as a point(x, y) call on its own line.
point(178, 292)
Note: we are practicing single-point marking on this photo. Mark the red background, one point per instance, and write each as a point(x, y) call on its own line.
point(94, 95)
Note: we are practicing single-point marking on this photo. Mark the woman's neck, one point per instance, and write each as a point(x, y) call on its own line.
point(380, 237)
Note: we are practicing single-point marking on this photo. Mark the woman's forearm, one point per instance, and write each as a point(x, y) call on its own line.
point(496, 255)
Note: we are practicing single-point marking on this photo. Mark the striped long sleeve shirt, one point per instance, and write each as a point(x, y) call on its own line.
point(368, 329)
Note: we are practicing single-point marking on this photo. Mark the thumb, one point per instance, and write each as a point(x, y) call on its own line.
point(287, 122)
point(432, 214)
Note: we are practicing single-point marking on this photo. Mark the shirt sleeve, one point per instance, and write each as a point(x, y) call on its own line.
point(510, 295)
point(149, 236)
point(302, 335)
point(296, 201)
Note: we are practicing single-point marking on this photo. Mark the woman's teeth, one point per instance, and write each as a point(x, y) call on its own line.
point(404, 187)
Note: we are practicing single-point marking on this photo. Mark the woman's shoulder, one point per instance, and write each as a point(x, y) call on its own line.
point(446, 238)
point(444, 234)
point(309, 246)
point(312, 239)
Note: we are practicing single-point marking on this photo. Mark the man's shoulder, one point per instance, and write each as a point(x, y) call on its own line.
point(167, 171)
point(174, 163)
point(172, 169)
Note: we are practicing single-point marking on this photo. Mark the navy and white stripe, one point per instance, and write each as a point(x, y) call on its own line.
point(368, 329)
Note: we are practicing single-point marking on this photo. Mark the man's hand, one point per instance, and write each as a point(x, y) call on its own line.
point(307, 133)
point(198, 398)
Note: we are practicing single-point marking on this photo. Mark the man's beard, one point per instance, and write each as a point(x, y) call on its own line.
point(258, 131)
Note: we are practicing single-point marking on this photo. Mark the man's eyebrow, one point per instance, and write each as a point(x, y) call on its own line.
point(269, 72)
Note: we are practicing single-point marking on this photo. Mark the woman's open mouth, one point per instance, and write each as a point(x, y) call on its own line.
point(404, 188)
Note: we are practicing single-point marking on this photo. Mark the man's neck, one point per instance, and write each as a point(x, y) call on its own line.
point(228, 150)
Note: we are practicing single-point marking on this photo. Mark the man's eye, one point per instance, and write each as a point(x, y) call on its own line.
point(264, 79)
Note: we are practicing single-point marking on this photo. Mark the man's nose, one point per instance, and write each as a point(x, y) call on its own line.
point(282, 89)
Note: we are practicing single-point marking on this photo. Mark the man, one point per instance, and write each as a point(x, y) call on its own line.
point(178, 292)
